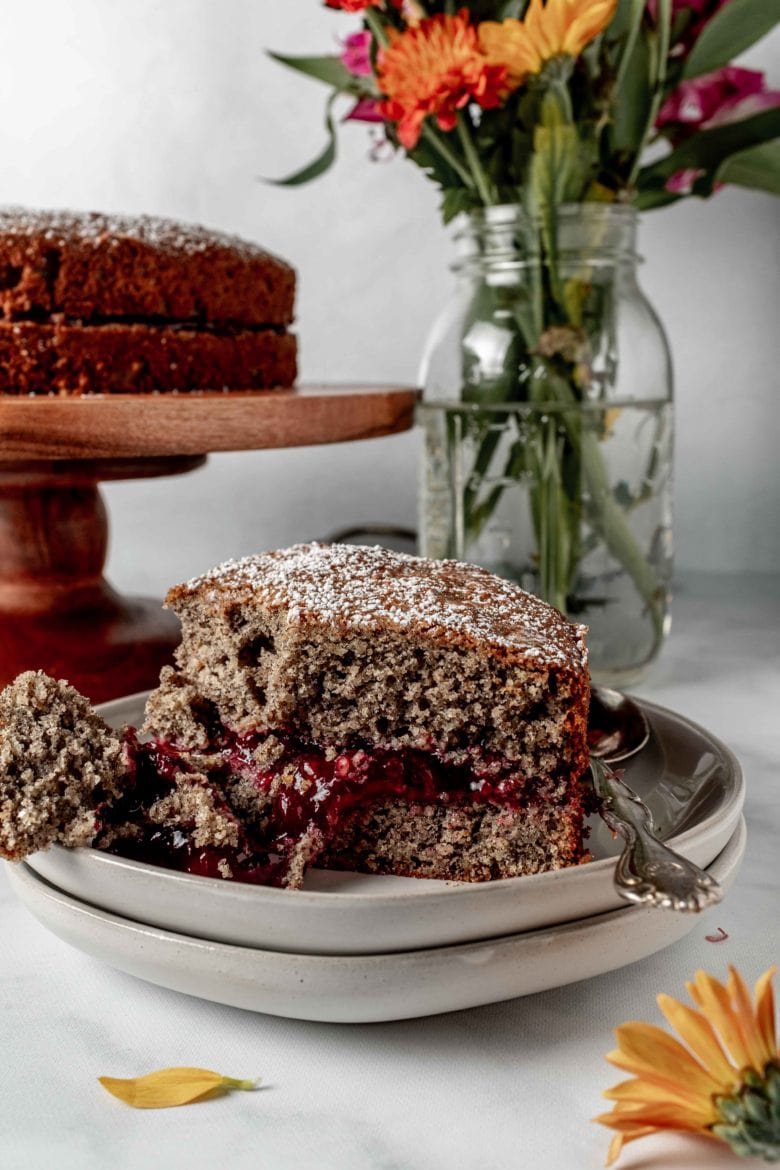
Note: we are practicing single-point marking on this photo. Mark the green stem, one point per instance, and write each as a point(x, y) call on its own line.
point(481, 180)
point(374, 22)
point(607, 515)
point(449, 156)
point(635, 22)
point(661, 47)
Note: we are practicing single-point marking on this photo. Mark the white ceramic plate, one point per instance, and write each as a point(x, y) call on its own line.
point(367, 988)
point(691, 781)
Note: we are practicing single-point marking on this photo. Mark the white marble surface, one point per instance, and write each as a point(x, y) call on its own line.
point(512, 1085)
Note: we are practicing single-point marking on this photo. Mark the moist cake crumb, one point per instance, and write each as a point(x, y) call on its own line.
point(58, 762)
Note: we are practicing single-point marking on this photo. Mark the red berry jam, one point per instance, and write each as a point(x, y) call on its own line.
point(307, 787)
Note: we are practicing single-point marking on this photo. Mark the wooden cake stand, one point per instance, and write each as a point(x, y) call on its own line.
point(57, 611)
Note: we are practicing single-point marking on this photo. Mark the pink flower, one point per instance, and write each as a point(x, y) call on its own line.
point(681, 182)
point(356, 54)
point(727, 95)
point(365, 110)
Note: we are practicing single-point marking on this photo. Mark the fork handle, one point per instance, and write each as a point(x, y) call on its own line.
point(648, 871)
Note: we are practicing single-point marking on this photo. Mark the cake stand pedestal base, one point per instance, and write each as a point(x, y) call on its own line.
point(57, 612)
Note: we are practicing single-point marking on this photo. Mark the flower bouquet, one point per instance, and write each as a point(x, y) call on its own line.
point(548, 125)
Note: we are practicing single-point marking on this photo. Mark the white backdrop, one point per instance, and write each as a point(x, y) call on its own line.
point(171, 107)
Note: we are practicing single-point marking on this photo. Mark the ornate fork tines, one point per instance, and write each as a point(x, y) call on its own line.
point(647, 871)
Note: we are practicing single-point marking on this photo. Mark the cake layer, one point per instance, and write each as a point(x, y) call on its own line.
point(86, 265)
point(345, 645)
point(264, 810)
point(467, 843)
point(131, 358)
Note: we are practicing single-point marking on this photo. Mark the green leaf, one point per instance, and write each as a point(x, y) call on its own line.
point(629, 16)
point(322, 162)
point(554, 178)
point(708, 149)
point(619, 28)
point(757, 167)
point(434, 165)
point(633, 97)
point(733, 28)
point(553, 164)
point(650, 199)
point(329, 70)
point(455, 200)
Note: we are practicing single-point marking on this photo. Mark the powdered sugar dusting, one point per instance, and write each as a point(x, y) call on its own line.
point(98, 228)
point(365, 589)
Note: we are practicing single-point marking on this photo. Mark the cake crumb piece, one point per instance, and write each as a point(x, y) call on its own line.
point(58, 762)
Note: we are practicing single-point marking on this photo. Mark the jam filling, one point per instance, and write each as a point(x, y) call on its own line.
point(307, 791)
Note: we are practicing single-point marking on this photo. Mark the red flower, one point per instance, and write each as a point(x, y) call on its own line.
point(436, 68)
point(353, 5)
point(359, 5)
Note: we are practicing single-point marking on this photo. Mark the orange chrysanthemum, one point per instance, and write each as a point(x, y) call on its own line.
point(722, 1082)
point(551, 28)
point(435, 68)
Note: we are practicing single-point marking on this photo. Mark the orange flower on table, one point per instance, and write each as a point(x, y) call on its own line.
point(549, 29)
point(435, 68)
point(722, 1082)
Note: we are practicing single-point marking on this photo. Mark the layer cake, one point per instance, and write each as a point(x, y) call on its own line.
point(94, 303)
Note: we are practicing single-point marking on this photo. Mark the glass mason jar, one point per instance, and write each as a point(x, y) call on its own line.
point(547, 414)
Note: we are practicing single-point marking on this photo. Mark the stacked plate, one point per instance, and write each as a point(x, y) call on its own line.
point(359, 948)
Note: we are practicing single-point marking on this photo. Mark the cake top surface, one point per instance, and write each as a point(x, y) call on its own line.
point(99, 228)
point(361, 588)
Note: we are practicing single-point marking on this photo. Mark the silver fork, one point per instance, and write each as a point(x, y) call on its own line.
point(648, 871)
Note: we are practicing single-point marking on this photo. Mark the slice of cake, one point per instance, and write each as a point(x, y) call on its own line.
point(93, 303)
point(360, 709)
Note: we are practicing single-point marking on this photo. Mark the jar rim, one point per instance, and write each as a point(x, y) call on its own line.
point(503, 214)
point(506, 234)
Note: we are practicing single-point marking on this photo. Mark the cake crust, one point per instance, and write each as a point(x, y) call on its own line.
point(88, 266)
point(348, 644)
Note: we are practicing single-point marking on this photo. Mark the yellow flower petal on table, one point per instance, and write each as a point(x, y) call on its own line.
point(170, 1086)
point(620, 1140)
point(647, 1050)
point(716, 1005)
point(765, 1009)
point(698, 1033)
point(657, 1114)
point(748, 1025)
point(552, 29)
point(722, 1083)
point(640, 1091)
